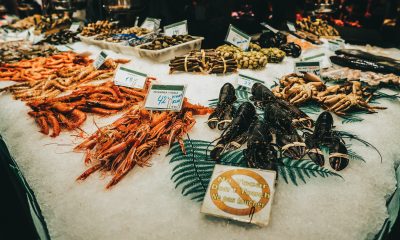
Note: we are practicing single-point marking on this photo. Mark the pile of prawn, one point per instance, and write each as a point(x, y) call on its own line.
point(131, 140)
point(50, 82)
point(69, 112)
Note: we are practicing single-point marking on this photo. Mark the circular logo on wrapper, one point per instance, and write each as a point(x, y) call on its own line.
point(240, 192)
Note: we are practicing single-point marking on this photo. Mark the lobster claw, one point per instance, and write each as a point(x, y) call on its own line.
point(316, 156)
point(338, 158)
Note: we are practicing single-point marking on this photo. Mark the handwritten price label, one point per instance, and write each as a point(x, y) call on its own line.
point(129, 78)
point(151, 23)
point(247, 81)
point(269, 27)
point(291, 26)
point(165, 97)
point(334, 45)
point(179, 28)
point(100, 60)
point(75, 26)
point(238, 38)
point(310, 67)
point(64, 48)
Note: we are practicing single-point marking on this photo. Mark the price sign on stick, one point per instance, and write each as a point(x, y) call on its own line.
point(151, 23)
point(238, 38)
point(74, 26)
point(335, 44)
point(310, 67)
point(64, 48)
point(165, 97)
point(269, 27)
point(291, 26)
point(179, 28)
point(100, 60)
point(247, 81)
point(129, 78)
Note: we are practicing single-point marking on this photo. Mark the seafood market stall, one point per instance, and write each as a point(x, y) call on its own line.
point(128, 133)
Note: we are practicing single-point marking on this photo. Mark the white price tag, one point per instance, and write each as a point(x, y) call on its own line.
point(100, 60)
point(238, 38)
point(269, 27)
point(165, 97)
point(310, 67)
point(179, 28)
point(291, 26)
point(247, 81)
point(151, 23)
point(335, 44)
point(129, 78)
point(64, 48)
point(74, 26)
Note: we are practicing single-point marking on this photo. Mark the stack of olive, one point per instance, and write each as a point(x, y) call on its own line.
point(98, 27)
point(274, 55)
point(250, 59)
point(162, 42)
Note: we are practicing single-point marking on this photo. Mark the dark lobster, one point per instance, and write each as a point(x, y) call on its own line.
point(224, 111)
point(236, 132)
point(263, 97)
point(324, 135)
point(260, 152)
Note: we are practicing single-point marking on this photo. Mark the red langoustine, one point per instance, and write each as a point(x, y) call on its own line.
point(69, 112)
point(132, 139)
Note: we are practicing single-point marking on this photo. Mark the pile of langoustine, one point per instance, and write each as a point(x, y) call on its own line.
point(298, 89)
point(40, 67)
point(69, 112)
point(50, 81)
point(131, 140)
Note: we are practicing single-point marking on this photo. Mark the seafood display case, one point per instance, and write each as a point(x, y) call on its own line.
point(241, 140)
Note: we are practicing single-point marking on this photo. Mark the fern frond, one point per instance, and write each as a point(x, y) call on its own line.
point(300, 169)
point(310, 108)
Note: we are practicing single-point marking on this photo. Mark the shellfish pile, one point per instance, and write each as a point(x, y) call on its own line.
point(131, 140)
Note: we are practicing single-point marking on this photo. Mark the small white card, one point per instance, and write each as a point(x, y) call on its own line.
point(247, 81)
point(129, 78)
point(74, 26)
point(151, 23)
point(179, 28)
point(335, 44)
point(100, 60)
point(165, 97)
point(269, 27)
point(310, 67)
point(238, 38)
point(241, 194)
point(291, 26)
point(64, 48)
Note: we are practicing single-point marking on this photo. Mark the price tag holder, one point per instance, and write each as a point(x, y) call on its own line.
point(100, 60)
point(291, 26)
point(129, 78)
point(310, 67)
point(238, 38)
point(64, 48)
point(247, 81)
point(75, 26)
point(151, 23)
point(165, 97)
point(269, 27)
point(179, 28)
point(336, 44)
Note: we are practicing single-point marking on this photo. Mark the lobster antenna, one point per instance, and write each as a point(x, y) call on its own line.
point(355, 137)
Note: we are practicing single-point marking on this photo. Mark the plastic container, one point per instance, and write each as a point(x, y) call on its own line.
point(169, 53)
